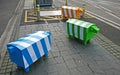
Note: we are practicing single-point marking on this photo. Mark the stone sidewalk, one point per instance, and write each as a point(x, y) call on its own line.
point(67, 56)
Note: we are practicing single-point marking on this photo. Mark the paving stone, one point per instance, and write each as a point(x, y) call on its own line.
point(38, 71)
point(116, 67)
point(80, 62)
point(70, 63)
point(57, 40)
point(53, 45)
point(116, 72)
point(3, 67)
point(8, 70)
point(51, 68)
point(84, 70)
point(62, 49)
point(88, 59)
point(50, 61)
point(55, 53)
point(61, 67)
point(65, 53)
point(59, 60)
point(95, 68)
point(54, 48)
point(2, 71)
point(99, 74)
point(112, 72)
point(4, 64)
point(5, 60)
point(53, 73)
point(17, 72)
point(13, 73)
point(109, 72)
point(98, 58)
point(64, 72)
point(50, 55)
point(7, 74)
point(57, 28)
point(9, 66)
point(88, 74)
point(104, 65)
point(2, 74)
point(60, 44)
point(14, 69)
point(75, 51)
point(76, 56)
point(34, 70)
point(74, 71)
point(54, 34)
point(66, 58)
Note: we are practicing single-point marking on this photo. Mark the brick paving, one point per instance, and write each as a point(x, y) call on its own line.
point(67, 56)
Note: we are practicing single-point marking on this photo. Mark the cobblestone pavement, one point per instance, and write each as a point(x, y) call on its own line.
point(67, 56)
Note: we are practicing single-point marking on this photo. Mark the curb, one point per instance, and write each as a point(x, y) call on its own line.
point(10, 30)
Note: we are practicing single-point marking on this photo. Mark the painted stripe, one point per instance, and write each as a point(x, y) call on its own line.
point(32, 53)
point(21, 44)
point(34, 41)
point(81, 33)
point(71, 20)
point(25, 62)
point(74, 12)
point(78, 22)
point(37, 37)
point(70, 28)
point(28, 58)
point(69, 11)
point(36, 50)
point(65, 12)
point(67, 28)
point(68, 15)
point(34, 45)
point(42, 43)
point(38, 33)
point(85, 24)
point(26, 41)
point(73, 27)
point(42, 35)
point(18, 46)
point(31, 38)
point(49, 38)
point(73, 30)
point(47, 43)
point(76, 31)
point(41, 51)
point(82, 26)
point(44, 46)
